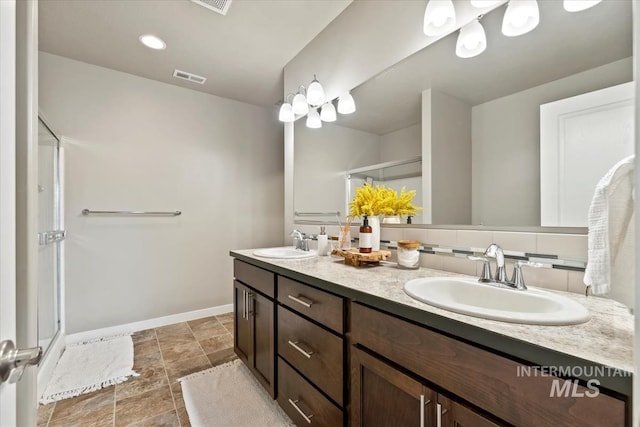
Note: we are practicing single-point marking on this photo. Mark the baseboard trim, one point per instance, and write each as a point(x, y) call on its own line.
point(147, 324)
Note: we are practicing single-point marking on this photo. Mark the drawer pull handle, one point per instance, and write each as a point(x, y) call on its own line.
point(306, 417)
point(439, 413)
point(296, 345)
point(302, 300)
point(423, 403)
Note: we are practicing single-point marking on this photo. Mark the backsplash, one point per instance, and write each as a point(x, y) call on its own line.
point(563, 256)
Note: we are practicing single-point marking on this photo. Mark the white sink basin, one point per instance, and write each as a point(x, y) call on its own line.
point(286, 252)
point(468, 296)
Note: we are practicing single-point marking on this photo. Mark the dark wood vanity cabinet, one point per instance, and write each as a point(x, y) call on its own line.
point(332, 361)
point(254, 320)
point(460, 372)
point(311, 359)
point(385, 396)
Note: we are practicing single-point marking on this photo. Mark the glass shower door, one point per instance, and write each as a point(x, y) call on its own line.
point(50, 236)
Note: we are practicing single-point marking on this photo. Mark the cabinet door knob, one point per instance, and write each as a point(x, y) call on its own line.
point(296, 345)
point(306, 417)
point(423, 403)
point(301, 300)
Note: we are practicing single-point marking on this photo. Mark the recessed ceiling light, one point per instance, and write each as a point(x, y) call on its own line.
point(153, 42)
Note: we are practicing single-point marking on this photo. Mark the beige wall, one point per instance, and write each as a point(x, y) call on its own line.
point(446, 152)
point(401, 144)
point(506, 145)
point(137, 144)
point(321, 158)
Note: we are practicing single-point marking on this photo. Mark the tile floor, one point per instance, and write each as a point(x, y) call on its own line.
point(161, 356)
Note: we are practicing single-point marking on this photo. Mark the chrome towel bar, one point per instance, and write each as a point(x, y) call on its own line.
point(317, 213)
point(90, 212)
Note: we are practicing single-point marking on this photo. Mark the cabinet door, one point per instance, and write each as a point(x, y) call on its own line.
point(242, 323)
point(453, 414)
point(261, 311)
point(381, 395)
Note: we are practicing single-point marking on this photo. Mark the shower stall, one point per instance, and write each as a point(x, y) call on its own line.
point(51, 235)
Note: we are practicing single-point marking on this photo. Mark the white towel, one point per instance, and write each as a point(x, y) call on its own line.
point(611, 265)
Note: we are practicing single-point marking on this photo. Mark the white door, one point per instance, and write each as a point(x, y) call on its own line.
point(7, 197)
point(581, 138)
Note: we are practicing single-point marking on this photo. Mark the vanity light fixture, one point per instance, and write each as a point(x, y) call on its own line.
point(579, 5)
point(520, 17)
point(472, 40)
point(153, 42)
point(286, 111)
point(328, 112)
point(346, 104)
point(299, 104)
point(439, 18)
point(310, 101)
point(313, 119)
point(315, 93)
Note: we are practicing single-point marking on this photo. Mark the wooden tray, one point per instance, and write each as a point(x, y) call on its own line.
point(355, 258)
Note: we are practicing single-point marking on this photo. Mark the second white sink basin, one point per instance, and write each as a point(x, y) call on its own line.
point(286, 252)
point(468, 296)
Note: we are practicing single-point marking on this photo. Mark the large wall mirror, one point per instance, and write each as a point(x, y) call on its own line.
point(475, 122)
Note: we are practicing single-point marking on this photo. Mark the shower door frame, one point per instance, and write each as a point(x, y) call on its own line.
point(58, 343)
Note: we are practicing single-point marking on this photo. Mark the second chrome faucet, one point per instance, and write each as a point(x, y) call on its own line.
point(500, 276)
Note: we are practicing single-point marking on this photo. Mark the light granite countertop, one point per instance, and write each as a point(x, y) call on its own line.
point(605, 340)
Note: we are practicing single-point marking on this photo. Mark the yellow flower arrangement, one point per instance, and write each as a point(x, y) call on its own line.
point(380, 200)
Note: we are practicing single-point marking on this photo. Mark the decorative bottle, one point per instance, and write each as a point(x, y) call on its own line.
point(365, 236)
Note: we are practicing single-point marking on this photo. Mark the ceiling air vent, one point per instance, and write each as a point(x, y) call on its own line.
point(189, 77)
point(220, 6)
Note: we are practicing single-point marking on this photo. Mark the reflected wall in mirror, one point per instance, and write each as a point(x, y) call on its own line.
point(475, 122)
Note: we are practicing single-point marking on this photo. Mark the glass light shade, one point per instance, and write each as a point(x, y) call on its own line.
point(484, 3)
point(439, 17)
point(299, 104)
point(286, 113)
point(346, 104)
point(315, 93)
point(520, 17)
point(313, 119)
point(472, 40)
point(328, 113)
point(578, 5)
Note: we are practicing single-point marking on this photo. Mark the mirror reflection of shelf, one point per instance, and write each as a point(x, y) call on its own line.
point(396, 175)
point(388, 171)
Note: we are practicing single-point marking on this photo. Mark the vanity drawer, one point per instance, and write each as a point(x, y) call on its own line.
point(318, 305)
point(303, 403)
point(259, 279)
point(315, 352)
point(485, 379)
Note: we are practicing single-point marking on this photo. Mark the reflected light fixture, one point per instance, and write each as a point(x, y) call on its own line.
point(579, 5)
point(328, 112)
point(153, 42)
point(315, 93)
point(313, 119)
point(472, 40)
point(520, 17)
point(439, 18)
point(346, 104)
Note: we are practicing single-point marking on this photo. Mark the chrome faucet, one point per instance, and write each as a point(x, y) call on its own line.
point(500, 276)
point(300, 240)
point(495, 251)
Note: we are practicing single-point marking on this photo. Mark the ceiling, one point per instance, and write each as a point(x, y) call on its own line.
point(563, 44)
point(242, 54)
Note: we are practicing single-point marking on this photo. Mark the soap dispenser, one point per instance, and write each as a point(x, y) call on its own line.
point(323, 242)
